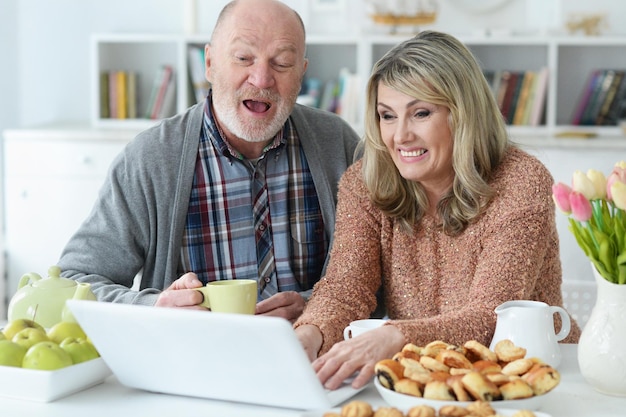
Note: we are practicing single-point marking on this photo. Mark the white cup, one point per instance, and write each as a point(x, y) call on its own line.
point(359, 327)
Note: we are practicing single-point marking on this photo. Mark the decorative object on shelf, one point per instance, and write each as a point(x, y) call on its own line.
point(480, 6)
point(409, 13)
point(590, 24)
point(597, 205)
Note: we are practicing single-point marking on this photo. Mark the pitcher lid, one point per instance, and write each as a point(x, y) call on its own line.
point(54, 280)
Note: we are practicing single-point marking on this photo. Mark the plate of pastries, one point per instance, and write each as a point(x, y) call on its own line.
point(441, 373)
point(359, 408)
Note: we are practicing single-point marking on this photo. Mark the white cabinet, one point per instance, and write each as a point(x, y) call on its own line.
point(51, 180)
point(570, 60)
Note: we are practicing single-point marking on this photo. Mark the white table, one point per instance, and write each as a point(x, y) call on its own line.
point(572, 398)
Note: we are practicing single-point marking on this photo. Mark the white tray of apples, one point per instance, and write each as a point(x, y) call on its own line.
point(44, 365)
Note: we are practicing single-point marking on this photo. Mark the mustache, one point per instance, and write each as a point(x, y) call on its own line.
point(259, 95)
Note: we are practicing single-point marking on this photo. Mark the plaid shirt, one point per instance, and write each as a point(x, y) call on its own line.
point(219, 238)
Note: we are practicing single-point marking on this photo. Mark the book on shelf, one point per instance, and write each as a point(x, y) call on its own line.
point(122, 100)
point(586, 96)
point(509, 95)
point(167, 107)
point(159, 88)
point(310, 92)
point(501, 88)
point(602, 98)
point(131, 94)
point(520, 95)
point(118, 94)
point(617, 106)
point(540, 93)
point(348, 98)
point(528, 79)
point(104, 95)
point(197, 77)
point(599, 94)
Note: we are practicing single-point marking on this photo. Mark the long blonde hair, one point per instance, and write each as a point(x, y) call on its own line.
point(436, 68)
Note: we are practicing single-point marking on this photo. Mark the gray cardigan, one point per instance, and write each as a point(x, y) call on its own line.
point(137, 223)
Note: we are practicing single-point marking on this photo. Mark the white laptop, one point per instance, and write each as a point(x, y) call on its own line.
point(230, 357)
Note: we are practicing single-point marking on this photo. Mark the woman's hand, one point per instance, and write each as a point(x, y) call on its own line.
point(359, 354)
point(311, 338)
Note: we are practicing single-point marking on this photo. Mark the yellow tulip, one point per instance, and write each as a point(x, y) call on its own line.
point(582, 184)
point(598, 180)
point(618, 192)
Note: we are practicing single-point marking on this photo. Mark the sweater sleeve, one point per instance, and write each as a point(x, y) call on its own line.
point(348, 290)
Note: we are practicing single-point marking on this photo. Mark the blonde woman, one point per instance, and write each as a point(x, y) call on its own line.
point(444, 217)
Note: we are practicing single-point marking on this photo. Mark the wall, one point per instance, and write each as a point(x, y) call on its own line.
point(52, 37)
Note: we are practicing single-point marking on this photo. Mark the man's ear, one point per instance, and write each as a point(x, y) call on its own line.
point(207, 61)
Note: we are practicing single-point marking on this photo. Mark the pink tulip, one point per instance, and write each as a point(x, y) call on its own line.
point(618, 174)
point(560, 195)
point(618, 191)
point(581, 207)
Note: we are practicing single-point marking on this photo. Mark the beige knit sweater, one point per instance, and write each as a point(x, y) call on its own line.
point(438, 287)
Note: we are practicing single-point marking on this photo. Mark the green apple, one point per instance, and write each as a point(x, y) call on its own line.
point(46, 356)
point(65, 329)
point(81, 350)
point(30, 336)
point(14, 326)
point(11, 354)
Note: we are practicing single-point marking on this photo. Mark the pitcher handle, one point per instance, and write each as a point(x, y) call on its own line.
point(565, 322)
point(28, 278)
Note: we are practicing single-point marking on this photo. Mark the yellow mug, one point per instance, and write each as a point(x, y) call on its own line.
point(230, 296)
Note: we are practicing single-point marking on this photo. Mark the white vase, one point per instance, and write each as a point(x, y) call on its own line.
point(602, 344)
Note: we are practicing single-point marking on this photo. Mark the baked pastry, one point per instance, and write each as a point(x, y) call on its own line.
point(453, 411)
point(518, 366)
point(433, 348)
point(438, 390)
point(421, 411)
point(407, 358)
point(456, 384)
point(418, 374)
point(413, 348)
point(481, 409)
point(453, 359)
point(506, 351)
point(357, 408)
point(440, 376)
point(331, 414)
point(479, 387)
point(409, 386)
point(433, 364)
point(524, 413)
point(486, 366)
point(479, 351)
point(542, 378)
point(499, 378)
point(388, 412)
point(388, 372)
point(516, 389)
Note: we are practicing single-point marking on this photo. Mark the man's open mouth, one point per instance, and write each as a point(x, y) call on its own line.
point(256, 106)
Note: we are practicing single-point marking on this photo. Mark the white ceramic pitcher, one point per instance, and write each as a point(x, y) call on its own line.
point(530, 324)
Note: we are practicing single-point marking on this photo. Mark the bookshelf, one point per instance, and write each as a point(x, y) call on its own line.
point(569, 61)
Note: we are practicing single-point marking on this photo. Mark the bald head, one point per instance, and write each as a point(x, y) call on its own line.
point(262, 9)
